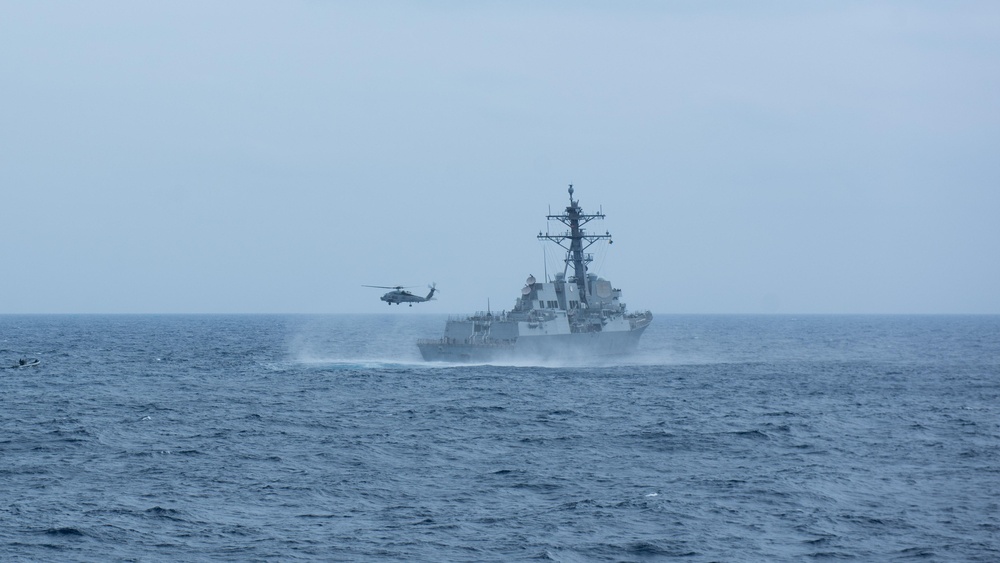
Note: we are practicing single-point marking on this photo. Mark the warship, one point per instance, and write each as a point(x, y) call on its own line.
point(576, 316)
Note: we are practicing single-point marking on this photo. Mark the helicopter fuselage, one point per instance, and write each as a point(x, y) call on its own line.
point(399, 295)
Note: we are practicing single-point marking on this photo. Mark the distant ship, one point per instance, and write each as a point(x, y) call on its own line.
point(579, 317)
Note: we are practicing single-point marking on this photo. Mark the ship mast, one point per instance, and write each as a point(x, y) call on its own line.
point(575, 219)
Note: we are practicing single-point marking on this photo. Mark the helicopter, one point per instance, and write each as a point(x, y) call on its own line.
point(400, 295)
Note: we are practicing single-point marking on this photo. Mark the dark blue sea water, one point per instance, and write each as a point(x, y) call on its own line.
point(728, 438)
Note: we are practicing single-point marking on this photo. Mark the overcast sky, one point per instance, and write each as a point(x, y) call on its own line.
point(273, 157)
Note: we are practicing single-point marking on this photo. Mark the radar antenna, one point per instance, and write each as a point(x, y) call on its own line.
point(574, 239)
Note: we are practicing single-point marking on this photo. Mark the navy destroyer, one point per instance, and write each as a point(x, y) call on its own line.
point(574, 317)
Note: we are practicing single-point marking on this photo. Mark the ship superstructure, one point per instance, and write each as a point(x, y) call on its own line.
point(578, 315)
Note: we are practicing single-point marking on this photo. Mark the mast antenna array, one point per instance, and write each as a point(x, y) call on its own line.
point(576, 240)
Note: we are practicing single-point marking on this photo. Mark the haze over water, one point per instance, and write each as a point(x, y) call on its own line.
point(255, 157)
point(238, 157)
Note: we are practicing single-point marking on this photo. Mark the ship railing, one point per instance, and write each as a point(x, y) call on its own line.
point(477, 342)
point(639, 319)
point(480, 316)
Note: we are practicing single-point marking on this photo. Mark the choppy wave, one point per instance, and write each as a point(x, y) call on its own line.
point(291, 438)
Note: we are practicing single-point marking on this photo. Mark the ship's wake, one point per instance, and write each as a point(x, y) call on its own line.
point(338, 364)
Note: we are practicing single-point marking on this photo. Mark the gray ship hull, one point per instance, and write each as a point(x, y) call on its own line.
point(574, 347)
point(578, 318)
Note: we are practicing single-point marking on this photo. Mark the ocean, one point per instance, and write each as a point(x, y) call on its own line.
point(326, 438)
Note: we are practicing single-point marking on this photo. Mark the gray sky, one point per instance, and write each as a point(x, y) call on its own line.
point(230, 157)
